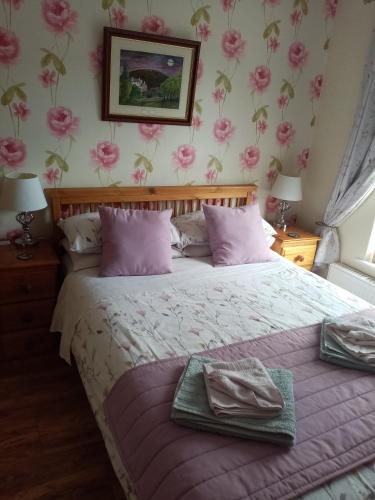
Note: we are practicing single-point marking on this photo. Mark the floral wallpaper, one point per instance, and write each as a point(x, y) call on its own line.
point(260, 77)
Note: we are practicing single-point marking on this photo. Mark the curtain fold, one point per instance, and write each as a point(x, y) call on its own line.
point(356, 177)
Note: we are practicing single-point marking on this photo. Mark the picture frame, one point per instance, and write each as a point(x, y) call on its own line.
point(148, 78)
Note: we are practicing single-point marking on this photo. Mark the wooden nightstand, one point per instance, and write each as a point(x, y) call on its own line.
point(28, 291)
point(300, 251)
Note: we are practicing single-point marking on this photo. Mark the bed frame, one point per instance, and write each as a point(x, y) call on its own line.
point(65, 202)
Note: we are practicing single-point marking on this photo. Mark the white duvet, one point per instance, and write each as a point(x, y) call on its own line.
point(113, 324)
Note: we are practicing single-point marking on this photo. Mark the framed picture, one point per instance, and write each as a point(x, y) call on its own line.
point(148, 78)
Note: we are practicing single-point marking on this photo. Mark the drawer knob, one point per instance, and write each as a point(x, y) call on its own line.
point(28, 317)
point(25, 288)
point(299, 258)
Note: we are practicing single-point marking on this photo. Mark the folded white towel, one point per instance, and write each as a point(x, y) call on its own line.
point(242, 388)
point(357, 337)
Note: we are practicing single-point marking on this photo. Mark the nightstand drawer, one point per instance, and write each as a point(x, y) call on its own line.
point(301, 255)
point(20, 286)
point(22, 344)
point(26, 315)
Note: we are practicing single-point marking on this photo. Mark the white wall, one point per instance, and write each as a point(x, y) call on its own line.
point(349, 44)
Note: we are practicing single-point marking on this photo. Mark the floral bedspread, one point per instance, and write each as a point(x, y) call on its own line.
point(114, 324)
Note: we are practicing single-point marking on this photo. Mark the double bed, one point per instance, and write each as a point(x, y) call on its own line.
point(111, 325)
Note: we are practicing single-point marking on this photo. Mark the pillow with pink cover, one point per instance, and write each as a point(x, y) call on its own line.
point(135, 242)
point(236, 235)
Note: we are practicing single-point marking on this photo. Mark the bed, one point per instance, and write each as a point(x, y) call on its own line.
point(114, 324)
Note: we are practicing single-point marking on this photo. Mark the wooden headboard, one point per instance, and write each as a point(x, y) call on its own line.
point(65, 202)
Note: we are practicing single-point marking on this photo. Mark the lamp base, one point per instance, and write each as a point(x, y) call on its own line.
point(25, 243)
point(283, 208)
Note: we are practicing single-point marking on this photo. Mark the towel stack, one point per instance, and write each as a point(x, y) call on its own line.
point(239, 398)
point(349, 343)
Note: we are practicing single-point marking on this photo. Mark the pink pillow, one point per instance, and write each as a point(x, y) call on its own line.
point(236, 235)
point(135, 242)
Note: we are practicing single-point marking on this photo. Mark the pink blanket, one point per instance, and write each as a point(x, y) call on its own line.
point(335, 410)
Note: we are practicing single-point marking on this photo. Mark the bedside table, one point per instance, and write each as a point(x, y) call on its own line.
point(300, 251)
point(28, 291)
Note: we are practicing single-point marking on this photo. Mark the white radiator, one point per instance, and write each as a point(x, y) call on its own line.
point(352, 280)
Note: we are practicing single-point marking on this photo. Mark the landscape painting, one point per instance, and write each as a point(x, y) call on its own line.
point(148, 79)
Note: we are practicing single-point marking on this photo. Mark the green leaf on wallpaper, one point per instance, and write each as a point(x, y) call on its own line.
point(215, 163)
point(122, 3)
point(148, 165)
point(313, 120)
point(19, 92)
point(8, 96)
point(222, 79)
point(303, 4)
point(106, 4)
point(326, 44)
point(46, 60)
point(56, 158)
point(115, 184)
point(138, 161)
point(198, 107)
point(199, 13)
point(287, 87)
point(260, 112)
point(275, 162)
point(50, 160)
point(189, 183)
point(272, 28)
point(219, 80)
point(59, 65)
point(142, 160)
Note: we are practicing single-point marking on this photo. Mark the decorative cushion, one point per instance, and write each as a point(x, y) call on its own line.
point(236, 235)
point(135, 242)
point(83, 232)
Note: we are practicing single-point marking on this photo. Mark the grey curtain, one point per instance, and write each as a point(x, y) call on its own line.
point(356, 178)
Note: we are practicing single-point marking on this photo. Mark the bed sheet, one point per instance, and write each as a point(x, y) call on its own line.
point(114, 324)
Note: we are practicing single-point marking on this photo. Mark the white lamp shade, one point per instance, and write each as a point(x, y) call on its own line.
point(22, 193)
point(287, 188)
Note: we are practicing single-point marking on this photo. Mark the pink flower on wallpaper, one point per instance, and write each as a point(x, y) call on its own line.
point(106, 155)
point(296, 17)
point(232, 44)
point(150, 131)
point(52, 175)
point(154, 25)
point(139, 175)
point(272, 204)
point(184, 156)
point(61, 122)
point(9, 47)
point(48, 78)
point(250, 157)
point(21, 111)
point(211, 175)
point(119, 17)
point(297, 55)
point(316, 86)
point(271, 176)
point(196, 122)
point(331, 8)
point(285, 133)
point(204, 31)
point(260, 78)
point(218, 95)
point(223, 130)
point(227, 4)
point(96, 59)
point(303, 159)
point(200, 69)
point(16, 4)
point(12, 152)
point(262, 126)
point(58, 15)
point(273, 43)
point(282, 101)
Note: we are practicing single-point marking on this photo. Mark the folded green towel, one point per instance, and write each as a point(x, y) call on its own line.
point(190, 408)
point(332, 352)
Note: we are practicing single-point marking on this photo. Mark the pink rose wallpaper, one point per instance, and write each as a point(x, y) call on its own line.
point(259, 84)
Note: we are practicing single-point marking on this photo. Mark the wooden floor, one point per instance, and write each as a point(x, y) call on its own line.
point(50, 446)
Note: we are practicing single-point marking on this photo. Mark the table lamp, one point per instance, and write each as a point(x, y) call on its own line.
point(286, 189)
point(23, 193)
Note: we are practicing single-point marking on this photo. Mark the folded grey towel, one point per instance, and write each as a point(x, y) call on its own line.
point(356, 337)
point(243, 388)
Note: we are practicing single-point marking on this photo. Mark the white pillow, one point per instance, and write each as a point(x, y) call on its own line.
point(83, 233)
point(193, 231)
point(80, 260)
